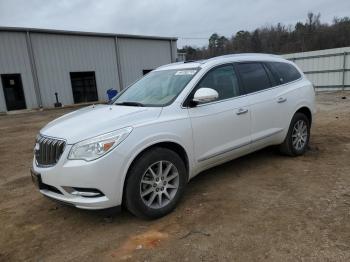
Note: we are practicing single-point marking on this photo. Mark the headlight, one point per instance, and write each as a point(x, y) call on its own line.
point(98, 146)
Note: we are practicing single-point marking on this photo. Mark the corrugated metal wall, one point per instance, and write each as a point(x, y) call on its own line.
point(14, 59)
point(328, 69)
point(58, 55)
point(139, 54)
point(53, 55)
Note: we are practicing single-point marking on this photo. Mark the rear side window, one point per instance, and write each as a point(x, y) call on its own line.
point(272, 76)
point(285, 72)
point(254, 77)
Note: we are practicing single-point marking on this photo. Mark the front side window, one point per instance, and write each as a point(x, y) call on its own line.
point(285, 72)
point(157, 88)
point(223, 80)
point(254, 77)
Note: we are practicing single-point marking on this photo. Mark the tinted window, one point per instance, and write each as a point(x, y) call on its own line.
point(285, 72)
point(223, 80)
point(274, 80)
point(253, 76)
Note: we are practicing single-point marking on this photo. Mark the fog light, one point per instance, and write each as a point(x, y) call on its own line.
point(84, 192)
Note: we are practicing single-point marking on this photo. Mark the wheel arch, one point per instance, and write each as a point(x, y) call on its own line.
point(306, 111)
point(172, 145)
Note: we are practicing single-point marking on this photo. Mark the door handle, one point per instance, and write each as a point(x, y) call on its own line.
point(241, 111)
point(281, 100)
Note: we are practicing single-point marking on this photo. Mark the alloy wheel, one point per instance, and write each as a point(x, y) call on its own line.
point(299, 135)
point(159, 184)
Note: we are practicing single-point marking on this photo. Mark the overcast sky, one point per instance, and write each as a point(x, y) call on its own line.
point(181, 18)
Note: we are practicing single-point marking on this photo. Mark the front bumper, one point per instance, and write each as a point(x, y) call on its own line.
point(105, 174)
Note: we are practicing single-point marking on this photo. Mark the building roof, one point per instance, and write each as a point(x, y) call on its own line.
point(82, 33)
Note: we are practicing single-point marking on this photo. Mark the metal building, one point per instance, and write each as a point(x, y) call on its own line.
point(328, 69)
point(79, 66)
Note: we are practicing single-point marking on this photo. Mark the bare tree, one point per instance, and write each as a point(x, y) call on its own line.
point(303, 36)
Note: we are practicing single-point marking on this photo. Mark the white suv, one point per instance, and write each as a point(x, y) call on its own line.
point(178, 120)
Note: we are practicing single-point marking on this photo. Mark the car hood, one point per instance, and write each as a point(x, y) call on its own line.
point(97, 120)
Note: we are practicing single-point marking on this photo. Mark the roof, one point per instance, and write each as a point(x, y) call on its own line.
point(82, 33)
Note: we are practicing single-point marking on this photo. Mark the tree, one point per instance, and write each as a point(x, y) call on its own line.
point(242, 41)
point(303, 36)
point(313, 21)
point(256, 41)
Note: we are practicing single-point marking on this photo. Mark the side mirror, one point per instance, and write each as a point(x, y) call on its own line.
point(204, 95)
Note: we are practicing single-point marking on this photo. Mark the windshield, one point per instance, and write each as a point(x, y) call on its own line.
point(157, 88)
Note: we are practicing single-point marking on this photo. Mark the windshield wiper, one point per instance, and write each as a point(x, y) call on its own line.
point(130, 104)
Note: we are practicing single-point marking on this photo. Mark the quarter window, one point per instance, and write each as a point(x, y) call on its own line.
point(284, 71)
point(222, 79)
point(253, 76)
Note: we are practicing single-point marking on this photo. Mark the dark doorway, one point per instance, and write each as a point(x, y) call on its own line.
point(84, 87)
point(146, 71)
point(13, 91)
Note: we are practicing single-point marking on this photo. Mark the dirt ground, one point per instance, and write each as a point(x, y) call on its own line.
point(260, 207)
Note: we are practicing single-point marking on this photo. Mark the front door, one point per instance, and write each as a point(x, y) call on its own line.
point(221, 129)
point(13, 91)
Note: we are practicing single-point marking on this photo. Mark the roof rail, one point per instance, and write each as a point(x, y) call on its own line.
point(239, 55)
point(244, 54)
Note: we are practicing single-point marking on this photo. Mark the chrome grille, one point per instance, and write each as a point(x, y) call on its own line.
point(48, 150)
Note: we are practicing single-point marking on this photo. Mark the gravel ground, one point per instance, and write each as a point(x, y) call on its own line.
point(263, 206)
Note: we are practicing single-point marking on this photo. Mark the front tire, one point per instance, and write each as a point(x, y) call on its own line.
point(155, 183)
point(298, 136)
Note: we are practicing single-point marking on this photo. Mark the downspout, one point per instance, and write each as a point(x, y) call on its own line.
point(120, 78)
point(34, 70)
point(171, 51)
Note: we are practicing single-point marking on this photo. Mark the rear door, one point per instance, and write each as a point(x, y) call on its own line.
point(260, 87)
point(221, 129)
point(286, 91)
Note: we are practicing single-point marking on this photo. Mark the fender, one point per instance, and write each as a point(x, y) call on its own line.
point(152, 140)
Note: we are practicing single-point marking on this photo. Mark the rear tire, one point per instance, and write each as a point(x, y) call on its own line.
point(298, 136)
point(155, 183)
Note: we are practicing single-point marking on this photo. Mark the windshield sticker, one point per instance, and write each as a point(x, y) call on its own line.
point(185, 72)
